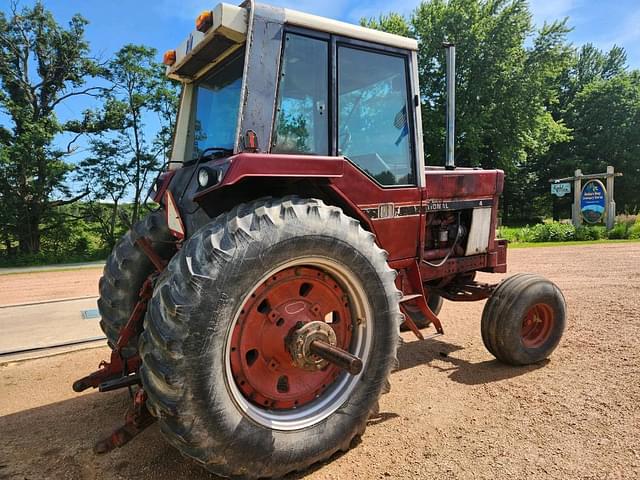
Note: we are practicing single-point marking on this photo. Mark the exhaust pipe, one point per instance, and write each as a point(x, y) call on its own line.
point(451, 105)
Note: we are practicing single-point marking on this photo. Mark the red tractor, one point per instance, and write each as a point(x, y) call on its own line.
point(256, 313)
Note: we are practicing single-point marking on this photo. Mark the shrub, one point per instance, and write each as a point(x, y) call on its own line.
point(551, 232)
point(620, 231)
point(566, 232)
point(589, 232)
point(634, 230)
point(561, 232)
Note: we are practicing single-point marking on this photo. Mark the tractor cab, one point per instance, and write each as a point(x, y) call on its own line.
point(294, 83)
point(279, 102)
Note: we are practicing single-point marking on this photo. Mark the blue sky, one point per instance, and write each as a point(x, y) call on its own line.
point(163, 24)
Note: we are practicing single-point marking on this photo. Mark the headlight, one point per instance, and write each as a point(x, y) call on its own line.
point(209, 176)
point(203, 177)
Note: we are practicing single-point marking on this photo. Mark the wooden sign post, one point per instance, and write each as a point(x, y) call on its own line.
point(588, 202)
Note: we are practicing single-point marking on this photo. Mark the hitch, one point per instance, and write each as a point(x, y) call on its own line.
point(136, 420)
point(119, 367)
point(111, 371)
point(121, 372)
point(118, 383)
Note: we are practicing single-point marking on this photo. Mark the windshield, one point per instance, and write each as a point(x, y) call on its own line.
point(217, 104)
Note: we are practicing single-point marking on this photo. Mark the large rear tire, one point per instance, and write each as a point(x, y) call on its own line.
point(124, 273)
point(215, 366)
point(523, 321)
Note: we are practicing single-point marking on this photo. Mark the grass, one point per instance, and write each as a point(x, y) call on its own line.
point(45, 259)
point(566, 244)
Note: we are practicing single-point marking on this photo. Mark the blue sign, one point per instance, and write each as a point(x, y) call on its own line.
point(593, 201)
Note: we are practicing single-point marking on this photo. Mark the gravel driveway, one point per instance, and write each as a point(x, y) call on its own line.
point(453, 411)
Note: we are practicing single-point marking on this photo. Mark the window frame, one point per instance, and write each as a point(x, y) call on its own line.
point(380, 50)
point(190, 137)
point(334, 42)
point(326, 37)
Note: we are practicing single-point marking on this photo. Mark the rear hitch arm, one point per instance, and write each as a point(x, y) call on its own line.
point(136, 420)
point(119, 367)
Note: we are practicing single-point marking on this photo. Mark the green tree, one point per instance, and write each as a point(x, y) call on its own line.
point(605, 119)
point(506, 80)
point(588, 64)
point(137, 122)
point(108, 182)
point(42, 65)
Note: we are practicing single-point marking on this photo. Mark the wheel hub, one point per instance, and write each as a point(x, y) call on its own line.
point(537, 325)
point(299, 344)
point(270, 355)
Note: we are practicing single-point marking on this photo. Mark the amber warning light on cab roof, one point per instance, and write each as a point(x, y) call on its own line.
point(169, 57)
point(204, 21)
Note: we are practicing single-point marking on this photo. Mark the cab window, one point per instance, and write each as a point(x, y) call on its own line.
point(373, 114)
point(301, 124)
point(217, 100)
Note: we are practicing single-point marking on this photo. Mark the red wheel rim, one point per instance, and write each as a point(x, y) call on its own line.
point(537, 325)
point(261, 364)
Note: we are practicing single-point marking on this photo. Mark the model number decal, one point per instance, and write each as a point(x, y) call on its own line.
point(389, 210)
point(437, 205)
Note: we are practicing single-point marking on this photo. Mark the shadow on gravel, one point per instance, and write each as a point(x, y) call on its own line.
point(56, 441)
point(412, 354)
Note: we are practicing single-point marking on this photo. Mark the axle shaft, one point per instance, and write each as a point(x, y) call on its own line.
point(337, 356)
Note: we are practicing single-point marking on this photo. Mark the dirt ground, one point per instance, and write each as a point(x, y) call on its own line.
point(453, 411)
point(20, 288)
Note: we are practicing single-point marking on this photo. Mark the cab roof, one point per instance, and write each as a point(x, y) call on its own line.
point(229, 32)
point(323, 24)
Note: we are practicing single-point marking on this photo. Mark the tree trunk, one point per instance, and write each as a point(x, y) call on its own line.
point(112, 226)
point(29, 235)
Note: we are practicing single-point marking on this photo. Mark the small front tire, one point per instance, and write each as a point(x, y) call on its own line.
point(523, 321)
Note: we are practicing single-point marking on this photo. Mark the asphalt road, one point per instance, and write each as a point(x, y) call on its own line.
point(41, 325)
point(48, 268)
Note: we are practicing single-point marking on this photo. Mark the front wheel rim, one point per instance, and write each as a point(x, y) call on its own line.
point(537, 325)
point(266, 388)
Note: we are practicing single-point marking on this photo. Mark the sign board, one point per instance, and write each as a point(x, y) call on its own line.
point(593, 201)
point(560, 189)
